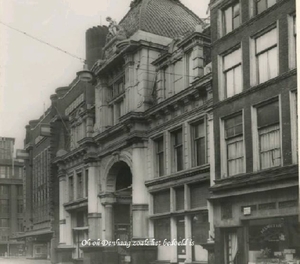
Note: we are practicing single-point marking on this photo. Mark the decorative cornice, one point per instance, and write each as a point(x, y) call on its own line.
point(205, 169)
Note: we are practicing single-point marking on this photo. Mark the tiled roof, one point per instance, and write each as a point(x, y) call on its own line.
point(169, 18)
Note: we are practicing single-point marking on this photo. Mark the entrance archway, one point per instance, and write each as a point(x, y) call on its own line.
point(119, 182)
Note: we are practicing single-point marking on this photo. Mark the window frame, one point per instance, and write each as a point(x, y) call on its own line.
point(255, 2)
point(221, 75)
point(224, 144)
point(292, 36)
point(157, 155)
point(255, 133)
point(294, 125)
point(223, 17)
point(254, 67)
point(193, 126)
point(174, 149)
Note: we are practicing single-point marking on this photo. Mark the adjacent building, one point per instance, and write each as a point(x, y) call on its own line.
point(11, 199)
point(255, 192)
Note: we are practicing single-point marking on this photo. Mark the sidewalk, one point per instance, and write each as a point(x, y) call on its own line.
point(22, 260)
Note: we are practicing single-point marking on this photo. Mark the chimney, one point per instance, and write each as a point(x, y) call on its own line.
point(95, 39)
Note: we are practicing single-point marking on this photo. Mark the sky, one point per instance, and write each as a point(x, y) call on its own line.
point(31, 71)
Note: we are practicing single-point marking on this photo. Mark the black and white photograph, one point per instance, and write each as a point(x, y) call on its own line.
point(149, 132)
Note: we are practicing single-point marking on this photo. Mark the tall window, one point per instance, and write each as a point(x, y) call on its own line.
point(231, 18)
point(20, 206)
point(189, 67)
point(198, 144)
point(2, 172)
point(294, 125)
point(71, 188)
point(20, 225)
point(86, 182)
point(262, 5)
point(266, 53)
point(234, 141)
point(3, 190)
point(161, 202)
point(232, 71)
point(292, 41)
point(79, 185)
point(178, 76)
point(268, 126)
point(160, 159)
point(4, 206)
point(177, 150)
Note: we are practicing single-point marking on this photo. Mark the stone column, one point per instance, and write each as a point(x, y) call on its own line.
point(198, 65)
point(107, 200)
point(94, 216)
point(62, 200)
point(129, 82)
point(139, 192)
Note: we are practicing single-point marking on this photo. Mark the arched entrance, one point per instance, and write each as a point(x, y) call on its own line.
point(120, 183)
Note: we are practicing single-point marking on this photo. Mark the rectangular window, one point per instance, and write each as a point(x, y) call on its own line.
point(234, 141)
point(177, 150)
point(20, 225)
point(86, 182)
point(178, 76)
point(4, 206)
point(262, 5)
point(79, 185)
point(4, 222)
point(20, 190)
point(162, 229)
point(71, 188)
point(266, 53)
point(179, 194)
point(161, 202)
point(268, 126)
point(160, 159)
point(292, 41)
point(20, 207)
point(189, 67)
point(199, 143)
point(294, 125)
point(2, 172)
point(231, 18)
point(198, 195)
point(3, 190)
point(232, 71)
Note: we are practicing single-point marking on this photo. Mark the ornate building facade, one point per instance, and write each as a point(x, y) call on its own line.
point(138, 165)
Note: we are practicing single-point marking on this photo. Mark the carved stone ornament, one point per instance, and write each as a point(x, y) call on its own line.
point(115, 30)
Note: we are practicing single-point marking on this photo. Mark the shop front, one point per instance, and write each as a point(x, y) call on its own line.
point(274, 240)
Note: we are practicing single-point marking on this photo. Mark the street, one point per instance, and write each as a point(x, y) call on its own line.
point(23, 261)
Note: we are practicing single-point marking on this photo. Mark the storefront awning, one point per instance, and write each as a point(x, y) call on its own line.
point(80, 228)
point(34, 233)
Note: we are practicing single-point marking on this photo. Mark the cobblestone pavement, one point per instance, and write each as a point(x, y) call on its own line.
point(23, 261)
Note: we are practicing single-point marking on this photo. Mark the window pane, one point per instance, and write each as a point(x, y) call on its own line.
point(238, 79)
point(161, 202)
point(262, 67)
point(229, 83)
point(228, 20)
point(200, 228)
point(179, 192)
point(162, 229)
point(271, 2)
point(179, 158)
point(198, 195)
point(235, 156)
point(266, 41)
point(270, 154)
point(200, 151)
point(273, 62)
point(232, 59)
point(268, 114)
point(261, 6)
